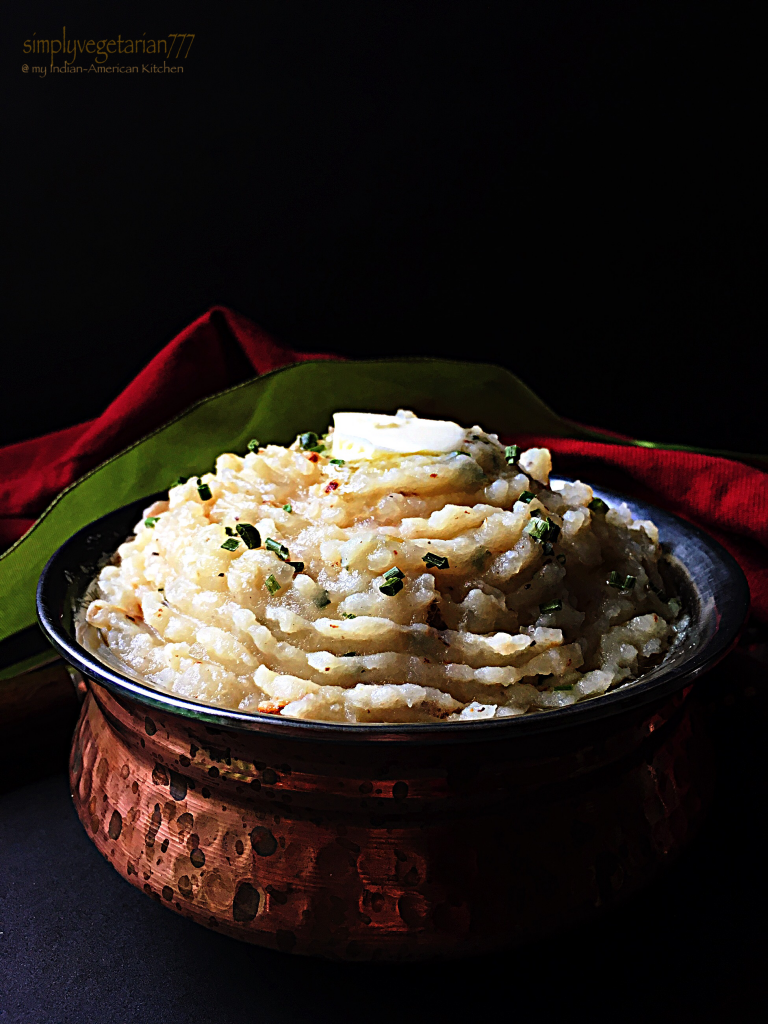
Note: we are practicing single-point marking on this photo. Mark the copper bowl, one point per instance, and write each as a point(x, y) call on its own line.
point(394, 842)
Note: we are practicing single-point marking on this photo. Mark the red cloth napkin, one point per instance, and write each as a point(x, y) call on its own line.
point(726, 498)
point(216, 352)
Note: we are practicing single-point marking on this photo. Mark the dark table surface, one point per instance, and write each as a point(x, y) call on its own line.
point(79, 945)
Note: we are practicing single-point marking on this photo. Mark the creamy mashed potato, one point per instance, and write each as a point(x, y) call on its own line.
point(395, 570)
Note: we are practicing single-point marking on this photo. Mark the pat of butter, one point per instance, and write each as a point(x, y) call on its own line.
point(368, 435)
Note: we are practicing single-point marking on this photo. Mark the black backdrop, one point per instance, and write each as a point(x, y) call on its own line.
point(570, 189)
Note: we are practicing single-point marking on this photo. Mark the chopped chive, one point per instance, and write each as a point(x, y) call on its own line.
point(350, 654)
point(308, 440)
point(253, 444)
point(249, 534)
point(527, 497)
point(479, 558)
point(568, 687)
point(512, 452)
point(629, 582)
point(348, 615)
point(550, 606)
point(229, 531)
point(434, 561)
point(537, 514)
point(394, 574)
point(561, 559)
point(554, 531)
point(391, 587)
point(615, 579)
point(537, 528)
point(204, 491)
point(277, 548)
point(231, 544)
point(338, 462)
point(599, 506)
point(150, 521)
point(296, 566)
point(179, 481)
point(322, 600)
point(287, 508)
point(271, 584)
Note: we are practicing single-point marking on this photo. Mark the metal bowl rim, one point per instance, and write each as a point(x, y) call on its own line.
point(617, 702)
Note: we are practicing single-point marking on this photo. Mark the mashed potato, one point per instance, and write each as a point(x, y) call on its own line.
point(387, 586)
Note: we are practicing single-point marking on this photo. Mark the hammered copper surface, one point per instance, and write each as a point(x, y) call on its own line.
point(343, 851)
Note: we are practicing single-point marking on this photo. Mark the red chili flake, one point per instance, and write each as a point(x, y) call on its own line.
point(433, 474)
point(269, 707)
point(334, 627)
point(314, 457)
point(331, 486)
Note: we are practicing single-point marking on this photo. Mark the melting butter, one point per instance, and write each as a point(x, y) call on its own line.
point(369, 435)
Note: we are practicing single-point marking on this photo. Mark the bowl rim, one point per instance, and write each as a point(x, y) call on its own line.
point(731, 617)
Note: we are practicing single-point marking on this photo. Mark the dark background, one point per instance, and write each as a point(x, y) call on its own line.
point(570, 189)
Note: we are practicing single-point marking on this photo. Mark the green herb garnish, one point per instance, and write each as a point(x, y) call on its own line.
point(308, 441)
point(150, 521)
point(204, 491)
point(479, 558)
point(271, 584)
point(250, 535)
point(435, 561)
point(527, 497)
point(350, 654)
point(392, 586)
point(615, 579)
point(277, 548)
point(550, 606)
point(178, 481)
point(348, 615)
point(338, 462)
point(599, 506)
point(296, 566)
point(538, 529)
point(231, 544)
point(253, 444)
point(394, 574)
point(229, 531)
point(512, 453)
point(568, 687)
point(287, 508)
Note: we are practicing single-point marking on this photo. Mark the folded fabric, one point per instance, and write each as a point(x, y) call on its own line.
point(724, 496)
point(215, 352)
